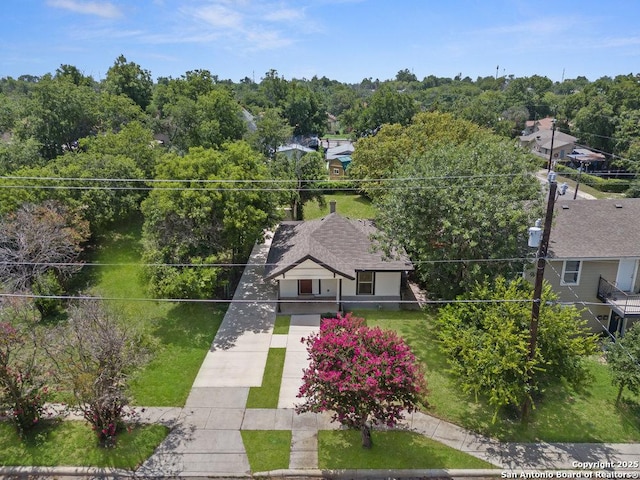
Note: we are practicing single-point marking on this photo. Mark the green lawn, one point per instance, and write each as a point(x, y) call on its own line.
point(347, 205)
point(267, 449)
point(562, 416)
point(266, 395)
point(74, 443)
point(281, 326)
point(342, 449)
point(181, 333)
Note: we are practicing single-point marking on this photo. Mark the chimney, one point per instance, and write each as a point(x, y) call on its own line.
point(332, 206)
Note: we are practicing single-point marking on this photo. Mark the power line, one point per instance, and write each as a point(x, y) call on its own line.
point(232, 265)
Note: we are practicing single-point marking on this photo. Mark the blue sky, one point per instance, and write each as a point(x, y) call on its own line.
point(345, 40)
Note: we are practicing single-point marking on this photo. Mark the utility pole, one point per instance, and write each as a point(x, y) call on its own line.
point(553, 134)
point(537, 288)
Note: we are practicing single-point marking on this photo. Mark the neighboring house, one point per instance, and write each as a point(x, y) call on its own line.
point(583, 157)
point(338, 166)
point(540, 124)
point(335, 262)
point(540, 143)
point(294, 150)
point(594, 252)
point(340, 150)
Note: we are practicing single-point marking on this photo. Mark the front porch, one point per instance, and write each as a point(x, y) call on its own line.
point(297, 306)
point(624, 304)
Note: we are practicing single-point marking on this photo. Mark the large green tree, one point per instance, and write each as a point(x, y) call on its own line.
point(129, 79)
point(207, 209)
point(623, 358)
point(378, 157)
point(207, 121)
point(386, 106)
point(272, 131)
point(305, 173)
point(487, 343)
point(461, 212)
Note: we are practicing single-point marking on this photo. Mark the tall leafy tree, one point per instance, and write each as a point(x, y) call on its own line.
point(462, 203)
point(129, 79)
point(206, 215)
point(623, 358)
point(57, 114)
point(378, 157)
point(487, 343)
point(305, 173)
point(304, 110)
point(272, 130)
point(386, 106)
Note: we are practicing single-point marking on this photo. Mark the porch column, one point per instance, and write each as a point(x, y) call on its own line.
point(339, 294)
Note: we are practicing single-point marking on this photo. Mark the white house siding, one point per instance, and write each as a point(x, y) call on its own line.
point(387, 283)
point(306, 270)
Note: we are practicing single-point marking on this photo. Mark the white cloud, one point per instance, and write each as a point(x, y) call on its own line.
point(100, 9)
point(285, 14)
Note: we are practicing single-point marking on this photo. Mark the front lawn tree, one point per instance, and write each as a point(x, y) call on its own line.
point(94, 354)
point(23, 379)
point(623, 358)
point(364, 375)
point(486, 339)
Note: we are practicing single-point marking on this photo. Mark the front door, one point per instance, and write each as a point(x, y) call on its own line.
point(626, 274)
point(305, 287)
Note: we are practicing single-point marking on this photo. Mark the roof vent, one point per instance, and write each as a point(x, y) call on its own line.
point(618, 205)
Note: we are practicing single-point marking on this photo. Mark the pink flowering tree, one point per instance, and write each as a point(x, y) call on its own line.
point(366, 376)
point(23, 389)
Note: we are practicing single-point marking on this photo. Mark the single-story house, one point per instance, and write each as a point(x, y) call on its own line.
point(539, 143)
point(593, 257)
point(334, 263)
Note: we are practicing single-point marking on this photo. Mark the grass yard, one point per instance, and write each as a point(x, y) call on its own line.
point(183, 332)
point(267, 449)
point(281, 326)
point(347, 205)
point(562, 416)
point(74, 443)
point(341, 449)
point(266, 395)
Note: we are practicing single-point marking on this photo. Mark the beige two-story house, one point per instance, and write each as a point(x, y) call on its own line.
point(594, 252)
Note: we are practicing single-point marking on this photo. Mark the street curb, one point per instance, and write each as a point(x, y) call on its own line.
point(374, 474)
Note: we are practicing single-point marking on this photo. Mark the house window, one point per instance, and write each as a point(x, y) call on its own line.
point(336, 171)
point(305, 287)
point(571, 272)
point(365, 283)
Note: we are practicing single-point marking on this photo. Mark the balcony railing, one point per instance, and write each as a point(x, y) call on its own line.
point(624, 304)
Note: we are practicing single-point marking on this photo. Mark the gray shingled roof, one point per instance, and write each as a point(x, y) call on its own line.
point(596, 229)
point(341, 245)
